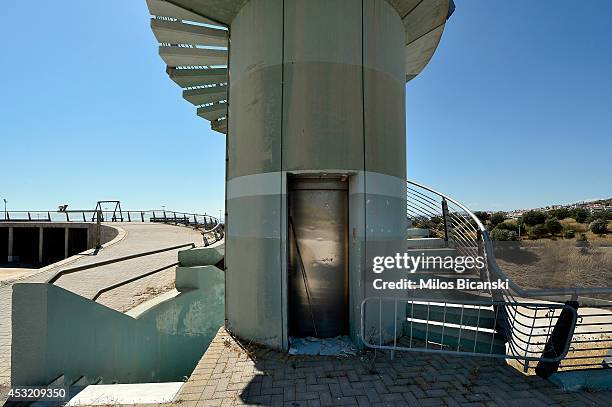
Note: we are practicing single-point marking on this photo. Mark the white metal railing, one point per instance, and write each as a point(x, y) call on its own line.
point(462, 230)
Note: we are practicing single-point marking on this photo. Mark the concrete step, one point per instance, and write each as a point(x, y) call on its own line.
point(417, 232)
point(202, 256)
point(470, 315)
point(448, 295)
point(440, 251)
point(425, 243)
point(455, 338)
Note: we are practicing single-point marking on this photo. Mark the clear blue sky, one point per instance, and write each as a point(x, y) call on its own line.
point(514, 110)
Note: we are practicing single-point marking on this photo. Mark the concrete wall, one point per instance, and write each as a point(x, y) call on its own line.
point(58, 332)
point(316, 87)
point(30, 241)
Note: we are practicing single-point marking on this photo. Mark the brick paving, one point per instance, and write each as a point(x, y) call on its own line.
point(139, 238)
point(233, 373)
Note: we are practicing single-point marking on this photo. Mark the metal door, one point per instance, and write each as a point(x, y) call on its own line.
point(318, 257)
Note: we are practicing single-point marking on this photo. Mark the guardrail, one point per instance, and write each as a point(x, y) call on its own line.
point(130, 280)
point(64, 272)
point(462, 230)
point(153, 216)
point(472, 328)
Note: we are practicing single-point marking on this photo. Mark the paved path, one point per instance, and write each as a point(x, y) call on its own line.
point(139, 238)
point(232, 373)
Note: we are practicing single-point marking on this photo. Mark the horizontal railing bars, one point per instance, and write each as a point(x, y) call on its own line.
point(422, 211)
point(64, 272)
point(429, 205)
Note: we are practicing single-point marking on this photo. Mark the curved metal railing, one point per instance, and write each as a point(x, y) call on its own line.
point(590, 339)
point(152, 215)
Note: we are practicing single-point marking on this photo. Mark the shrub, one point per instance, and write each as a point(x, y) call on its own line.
point(569, 234)
point(561, 213)
point(508, 225)
point(554, 226)
point(533, 218)
point(599, 227)
point(497, 218)
point(504, 235)
point(537, 232)
point(605, 215)
point(580, 215)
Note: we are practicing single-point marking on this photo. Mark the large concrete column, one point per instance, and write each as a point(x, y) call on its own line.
point(315, 87)
point(10, 244)
point(40, 244)
point(66, 240)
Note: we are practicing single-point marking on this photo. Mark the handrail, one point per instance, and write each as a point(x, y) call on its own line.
point(87, 215)
point(64, 272)
point(448, 198)
point(496, 269)
point(130, 280)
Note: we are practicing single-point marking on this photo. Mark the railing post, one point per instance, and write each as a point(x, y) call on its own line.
point(83, 216)
point(29, 216)
point(98, 229)
point(67, 217)
point(142, 216)
point(129, 217)
point(49, 216)
point(445, 219)
point(195, 221)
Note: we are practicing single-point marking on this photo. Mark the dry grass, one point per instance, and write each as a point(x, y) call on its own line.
point(147, 294)
point(557, 264)
point(587, 355)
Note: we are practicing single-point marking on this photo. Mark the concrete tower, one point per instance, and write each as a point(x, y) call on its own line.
point(316, 162)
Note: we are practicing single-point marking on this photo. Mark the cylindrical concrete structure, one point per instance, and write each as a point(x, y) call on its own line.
point(316, 87)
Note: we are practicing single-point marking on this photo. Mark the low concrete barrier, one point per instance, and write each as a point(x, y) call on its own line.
point(56, 332)
point(202, 256)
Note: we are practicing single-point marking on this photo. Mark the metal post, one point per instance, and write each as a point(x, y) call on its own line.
point(129, 217)
point(40, 244)
point(10, 244)
point(142, 216)
point(98, 229)
point(445, 219)
point(66, 241)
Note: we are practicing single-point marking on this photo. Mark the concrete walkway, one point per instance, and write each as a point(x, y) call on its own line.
point(233, 373)
point(139, 238)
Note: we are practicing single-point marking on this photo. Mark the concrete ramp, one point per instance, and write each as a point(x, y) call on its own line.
point(58, 333)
